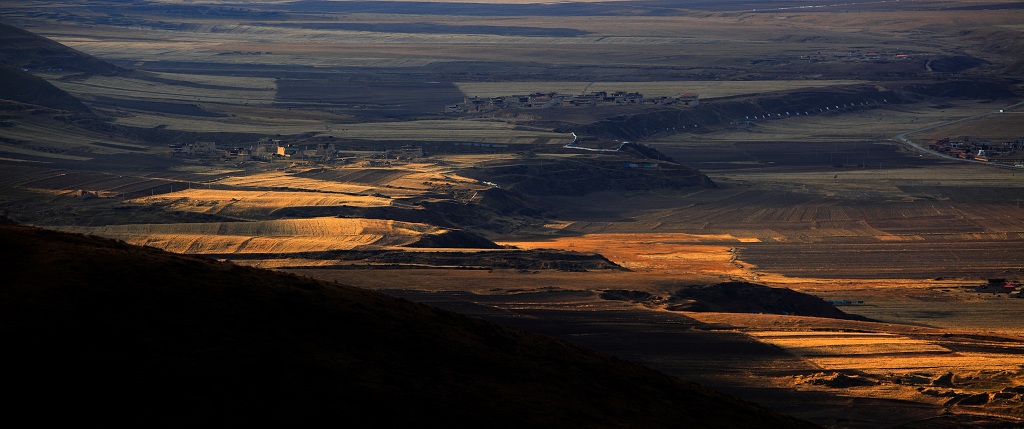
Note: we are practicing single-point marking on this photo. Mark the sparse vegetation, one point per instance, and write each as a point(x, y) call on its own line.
point(181, 340)
point(789, 175)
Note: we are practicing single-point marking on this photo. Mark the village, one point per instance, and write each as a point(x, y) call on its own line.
point(1008, 153)
point(1000, 286)
point(547, 100)
point(269, 150)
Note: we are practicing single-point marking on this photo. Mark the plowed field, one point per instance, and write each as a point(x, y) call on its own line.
point(279, 236)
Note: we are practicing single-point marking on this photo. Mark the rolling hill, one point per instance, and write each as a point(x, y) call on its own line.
point(25, 88)
point(24, 49)
point(98, 331)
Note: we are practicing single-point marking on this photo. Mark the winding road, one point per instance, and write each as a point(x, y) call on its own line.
point(572, 145)
point(902, 138)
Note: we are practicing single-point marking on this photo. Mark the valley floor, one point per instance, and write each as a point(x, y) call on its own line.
point(896, 372)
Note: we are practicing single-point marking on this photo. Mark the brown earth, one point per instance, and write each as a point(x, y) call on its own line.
point(831, 209)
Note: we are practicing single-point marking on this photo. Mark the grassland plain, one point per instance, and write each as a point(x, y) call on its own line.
point(996, 128)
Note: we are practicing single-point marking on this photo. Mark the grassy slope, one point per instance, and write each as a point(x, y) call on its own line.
point(25, 88)
point(99, 331)
point(21, 48)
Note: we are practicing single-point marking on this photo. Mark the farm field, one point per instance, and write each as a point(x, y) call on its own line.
point(174, 88)
point(1001, 127)
point(255, 203)
point(704, 88)
point(54, 140)
point(857, 125)
point(470, 131)
point(279, 236)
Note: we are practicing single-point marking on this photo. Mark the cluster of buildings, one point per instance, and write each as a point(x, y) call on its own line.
point(265, 149)
point(1011, 153)
point(1001, 286)
point(547, 100)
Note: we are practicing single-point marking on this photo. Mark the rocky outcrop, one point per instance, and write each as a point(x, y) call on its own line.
point(455, 239)
point(743, 297)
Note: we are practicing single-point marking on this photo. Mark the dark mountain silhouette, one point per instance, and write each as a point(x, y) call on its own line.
point(98, 331)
